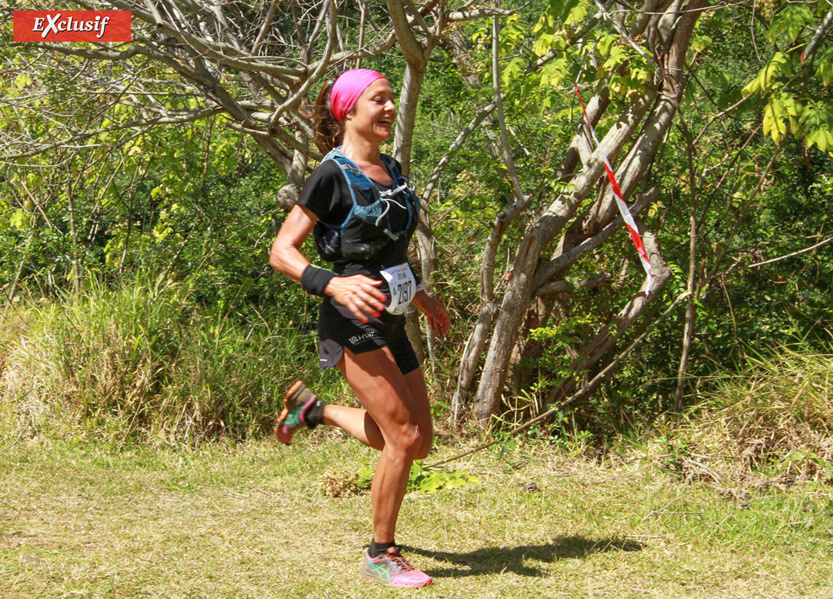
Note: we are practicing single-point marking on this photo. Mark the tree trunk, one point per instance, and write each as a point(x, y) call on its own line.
point(673, 31)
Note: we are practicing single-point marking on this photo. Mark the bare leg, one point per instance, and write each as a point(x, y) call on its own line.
point(396, 410)
point(355, 421)
point(358, 423)
point(422, 408)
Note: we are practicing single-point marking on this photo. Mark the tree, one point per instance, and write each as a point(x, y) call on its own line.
point(653, 89)
point(648, 56)
point(254, 62)
point(577, 227)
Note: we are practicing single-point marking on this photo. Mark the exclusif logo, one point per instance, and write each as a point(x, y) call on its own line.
point(72, 26)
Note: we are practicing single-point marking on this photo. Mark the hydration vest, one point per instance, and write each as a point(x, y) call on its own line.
point(367, 228)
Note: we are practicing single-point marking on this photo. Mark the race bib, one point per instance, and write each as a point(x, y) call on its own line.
point(402, 287)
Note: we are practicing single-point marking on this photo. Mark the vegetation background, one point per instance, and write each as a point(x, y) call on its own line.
point(139, 314)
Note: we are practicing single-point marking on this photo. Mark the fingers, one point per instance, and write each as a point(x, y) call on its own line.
point(361, 309)
point(441, 327)
point(439, 319)
point(371, 286)
point(360, 294)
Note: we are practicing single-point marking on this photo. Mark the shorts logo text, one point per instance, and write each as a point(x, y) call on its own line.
point(356, 339)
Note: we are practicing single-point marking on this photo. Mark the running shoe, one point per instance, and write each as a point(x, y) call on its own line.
point(295, 405)
point(393, 570)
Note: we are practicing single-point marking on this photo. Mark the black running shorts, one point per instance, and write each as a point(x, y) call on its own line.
point(338, 328)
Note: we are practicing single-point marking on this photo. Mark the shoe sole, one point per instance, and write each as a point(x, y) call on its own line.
point(398, 586)
point(295, 386)
point(285, 412)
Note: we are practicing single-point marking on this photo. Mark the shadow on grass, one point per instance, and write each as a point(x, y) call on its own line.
point(520, 560)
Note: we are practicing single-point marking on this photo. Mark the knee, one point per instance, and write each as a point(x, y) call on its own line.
point(426, 440)
point(409, 443)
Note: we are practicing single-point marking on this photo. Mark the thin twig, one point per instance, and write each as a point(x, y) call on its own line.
point(811, 248)
point(663, 509)
point(521, 200)
point(19, 435)
point(267, 22)
point(25, 426)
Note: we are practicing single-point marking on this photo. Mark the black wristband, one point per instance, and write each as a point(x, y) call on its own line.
point(315, 280)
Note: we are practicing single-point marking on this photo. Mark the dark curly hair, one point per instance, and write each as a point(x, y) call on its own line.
point(329, 133)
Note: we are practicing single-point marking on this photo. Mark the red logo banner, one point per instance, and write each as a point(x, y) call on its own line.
point(72, 26)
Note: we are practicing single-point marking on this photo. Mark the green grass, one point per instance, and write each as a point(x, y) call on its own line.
point(249, 520)
point(132, 464)
point(145, 361)
point(767, 425)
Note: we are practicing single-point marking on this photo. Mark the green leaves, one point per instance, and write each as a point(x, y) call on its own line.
point(793, 98)
point(553, 73)
point(774, 71)
point(557, 15)
point(701, 43)
point(629, 71)
point(576, 14)
point(431, 481)
point(512, 70)
point(18, 220)
point(560, 11)
point(824, 70)
point(817, 122)
point(791, 21)
point(22, 80)
point(512, 34)
point(780, 115)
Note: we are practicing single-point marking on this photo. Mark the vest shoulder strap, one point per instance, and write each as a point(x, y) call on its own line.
point(354, 175)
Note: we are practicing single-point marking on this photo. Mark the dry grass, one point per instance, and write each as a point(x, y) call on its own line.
point(769, 426)
point(144, 361)
point(250, 521)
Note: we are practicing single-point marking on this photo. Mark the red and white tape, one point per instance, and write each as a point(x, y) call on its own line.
point(620, 201)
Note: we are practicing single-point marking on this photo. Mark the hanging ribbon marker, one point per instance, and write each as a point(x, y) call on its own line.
point(620, 202)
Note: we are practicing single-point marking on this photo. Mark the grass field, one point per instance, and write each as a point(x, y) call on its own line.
point(80, 520)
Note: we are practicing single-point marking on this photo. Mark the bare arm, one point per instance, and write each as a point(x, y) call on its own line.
point(434, 311)
point(359, 293)
point(286, 256)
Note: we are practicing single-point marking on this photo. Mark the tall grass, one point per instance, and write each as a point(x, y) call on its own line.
point(773, 419)
point(145, 362)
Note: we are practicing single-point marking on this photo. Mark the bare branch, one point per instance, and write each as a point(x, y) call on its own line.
point(409, 44)
point(418, 17)
point(521, 200)
point(811, 47)
point(144, 124)
point(458, 143)
point(458, 16)
point(267, 22)
point(809, 249)
point(601, 280)
point(330, 8)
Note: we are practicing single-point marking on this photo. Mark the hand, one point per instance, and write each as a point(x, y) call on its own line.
point(359, 293)
point(434, 311)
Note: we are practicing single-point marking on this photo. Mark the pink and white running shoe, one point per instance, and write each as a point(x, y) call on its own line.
point(393, 570)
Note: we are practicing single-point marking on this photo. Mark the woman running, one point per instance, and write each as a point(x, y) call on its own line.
point(363, 215)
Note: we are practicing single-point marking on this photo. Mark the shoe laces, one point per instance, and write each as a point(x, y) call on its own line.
point(397, 558)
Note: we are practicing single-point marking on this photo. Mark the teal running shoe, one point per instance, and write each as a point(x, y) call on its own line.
point(298, 400)
point(393, 570)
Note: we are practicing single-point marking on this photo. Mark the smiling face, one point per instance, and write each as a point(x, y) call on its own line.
point(373, 114)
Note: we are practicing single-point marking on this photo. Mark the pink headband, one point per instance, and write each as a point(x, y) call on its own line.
point(347, 89)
